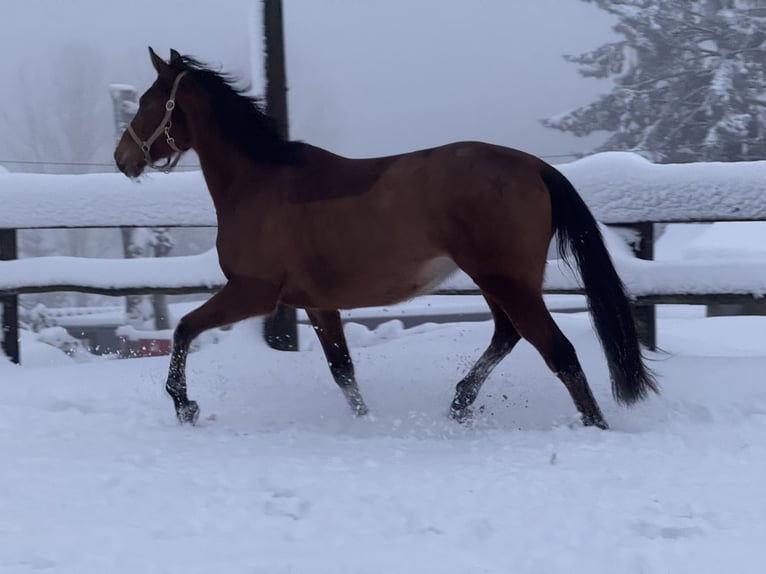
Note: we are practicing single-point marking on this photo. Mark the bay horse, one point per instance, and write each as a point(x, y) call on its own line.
point(302, 226)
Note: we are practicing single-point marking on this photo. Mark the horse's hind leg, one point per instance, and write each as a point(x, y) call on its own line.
point(232, 303)
point(526, 309)
point(329, 330)
point(504, 339)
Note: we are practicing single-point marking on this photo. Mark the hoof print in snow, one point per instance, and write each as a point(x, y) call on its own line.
point(286, 503)
point(653, 531)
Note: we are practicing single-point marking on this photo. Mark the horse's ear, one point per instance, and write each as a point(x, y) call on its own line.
point(159, 64)
point(175, 57)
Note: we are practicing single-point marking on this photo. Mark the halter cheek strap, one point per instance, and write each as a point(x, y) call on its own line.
point(163, 128)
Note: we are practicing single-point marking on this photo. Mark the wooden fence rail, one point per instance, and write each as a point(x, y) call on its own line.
point(625, 192)
point(680, 282)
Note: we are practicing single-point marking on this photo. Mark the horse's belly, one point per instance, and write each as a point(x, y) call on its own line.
point(373, 287)
point(395, 285)
point(433, 274)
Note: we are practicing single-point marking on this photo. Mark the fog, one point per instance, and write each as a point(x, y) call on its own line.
point(365, 78)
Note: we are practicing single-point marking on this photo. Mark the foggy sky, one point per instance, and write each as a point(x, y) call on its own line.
point(366, 77)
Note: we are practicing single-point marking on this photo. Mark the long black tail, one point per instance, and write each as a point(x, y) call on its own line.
point(578, 232)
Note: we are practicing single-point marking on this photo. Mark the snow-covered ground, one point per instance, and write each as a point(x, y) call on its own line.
point(97, 477)
point(278, 478)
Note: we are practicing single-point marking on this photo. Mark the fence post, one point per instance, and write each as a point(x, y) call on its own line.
point(281, 328)
point(124, 107)
point(642, 244)
point(10, 303)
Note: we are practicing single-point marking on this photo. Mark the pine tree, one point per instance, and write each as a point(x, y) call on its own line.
point(689, 81)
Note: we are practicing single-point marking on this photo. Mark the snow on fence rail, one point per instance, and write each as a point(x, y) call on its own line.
point(623, 187)
point(42, 201)
point(619, 187)
point(624, 191)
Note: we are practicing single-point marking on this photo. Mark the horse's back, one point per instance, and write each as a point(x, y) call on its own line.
point(374, 231)
point(484, 205)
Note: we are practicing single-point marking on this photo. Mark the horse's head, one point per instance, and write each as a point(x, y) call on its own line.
point(159, 130)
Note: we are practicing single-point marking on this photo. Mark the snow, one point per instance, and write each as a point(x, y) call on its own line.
point(624, 187)
point(673, 241)
point(423, 308)
point(98, 477)
point(147, 272)
point(658, 193)
point(695, 277)
point(279, 478)
point(700, 276)
point(116, 87)
point(104, 200)
point(726, 240)
point(618, 186)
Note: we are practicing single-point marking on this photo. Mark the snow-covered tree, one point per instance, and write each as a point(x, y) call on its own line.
point(689, 81)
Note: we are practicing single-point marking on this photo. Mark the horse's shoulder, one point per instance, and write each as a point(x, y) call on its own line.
point(324, 175)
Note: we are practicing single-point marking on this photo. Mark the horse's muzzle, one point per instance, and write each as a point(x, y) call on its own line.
point(129, 166)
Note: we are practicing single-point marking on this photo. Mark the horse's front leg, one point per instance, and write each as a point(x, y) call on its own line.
point(238, 300)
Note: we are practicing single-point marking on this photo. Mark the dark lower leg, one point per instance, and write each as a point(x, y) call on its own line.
point(526, 309)
point(563, 361)
point(504, 339)
point(329, 330)
point(187, 411)
point(342, 370)
point(233, 303)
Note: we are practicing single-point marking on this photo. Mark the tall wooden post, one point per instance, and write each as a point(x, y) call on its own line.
point(9, 304)
point(645, 315)
point(280, 329)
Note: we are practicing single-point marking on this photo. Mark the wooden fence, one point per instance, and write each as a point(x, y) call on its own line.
point(625, 192)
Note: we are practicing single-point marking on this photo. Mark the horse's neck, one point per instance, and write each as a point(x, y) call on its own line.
point(220, 161)
point(229, 174)
point(218, 167)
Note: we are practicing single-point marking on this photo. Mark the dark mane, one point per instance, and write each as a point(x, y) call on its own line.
point(241, 117)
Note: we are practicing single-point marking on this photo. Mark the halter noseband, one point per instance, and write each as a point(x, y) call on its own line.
point(164, 127)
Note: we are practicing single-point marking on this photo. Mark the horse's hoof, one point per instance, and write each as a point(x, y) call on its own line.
point(356, 402)
point(360, 411)
point(461, 415)
point(591, 421)
point(188, 413)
